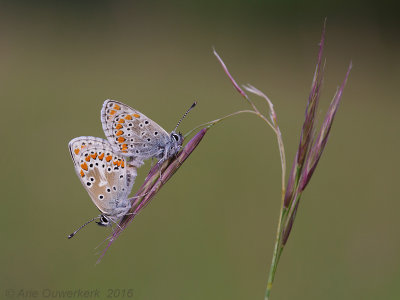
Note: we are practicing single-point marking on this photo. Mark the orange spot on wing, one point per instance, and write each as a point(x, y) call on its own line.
point(87, 158)
point(119, 133)
point(128, 117)
point(117, 107)
point(121, 121)
point(124, 148)
point(108, 158)
point(82, 174)
point(84, 167)
point(136, 115)
point(94, 155)
point(76, 151)
point(113, 112)
point(121, 139)
point(119, 126)
point(101, 156)
point(115, 162)
point(123, 164)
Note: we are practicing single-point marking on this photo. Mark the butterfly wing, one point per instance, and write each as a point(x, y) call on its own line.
point(132, 133)
point(105, 175)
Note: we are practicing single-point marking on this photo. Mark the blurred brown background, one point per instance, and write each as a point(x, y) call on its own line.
point(209, 233)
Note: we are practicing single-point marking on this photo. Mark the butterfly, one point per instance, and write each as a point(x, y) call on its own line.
point(133, 134)
point(107, 176)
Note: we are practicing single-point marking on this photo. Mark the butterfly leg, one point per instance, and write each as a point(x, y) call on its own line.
point(116, 224)
point(159, 170)
point(132, 213)
point(161, 161)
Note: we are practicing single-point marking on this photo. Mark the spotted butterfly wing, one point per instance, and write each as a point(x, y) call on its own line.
point(106, 176)
point(132, 133)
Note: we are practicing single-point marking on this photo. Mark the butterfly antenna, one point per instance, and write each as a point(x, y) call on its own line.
point(190, 108)
point(72, 234)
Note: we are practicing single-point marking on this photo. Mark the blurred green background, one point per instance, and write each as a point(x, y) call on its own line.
point(209, 233)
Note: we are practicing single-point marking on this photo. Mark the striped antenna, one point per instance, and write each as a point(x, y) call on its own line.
point(190, 108)
point(72, 234)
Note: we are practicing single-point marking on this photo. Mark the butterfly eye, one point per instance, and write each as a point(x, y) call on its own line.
point(104, 220)
point(176, 137)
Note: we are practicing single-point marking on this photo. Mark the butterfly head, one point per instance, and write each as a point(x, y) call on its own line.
point(104, 221)
point(175, 142)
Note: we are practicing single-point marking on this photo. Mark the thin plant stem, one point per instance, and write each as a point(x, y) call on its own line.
point(211, 123)
point(273, 123)
point(277, 248)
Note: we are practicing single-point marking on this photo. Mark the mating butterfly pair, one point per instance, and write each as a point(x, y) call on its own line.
point(108, 168)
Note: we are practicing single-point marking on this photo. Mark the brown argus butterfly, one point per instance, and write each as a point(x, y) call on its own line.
point(107, 176)
point(133, 134)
